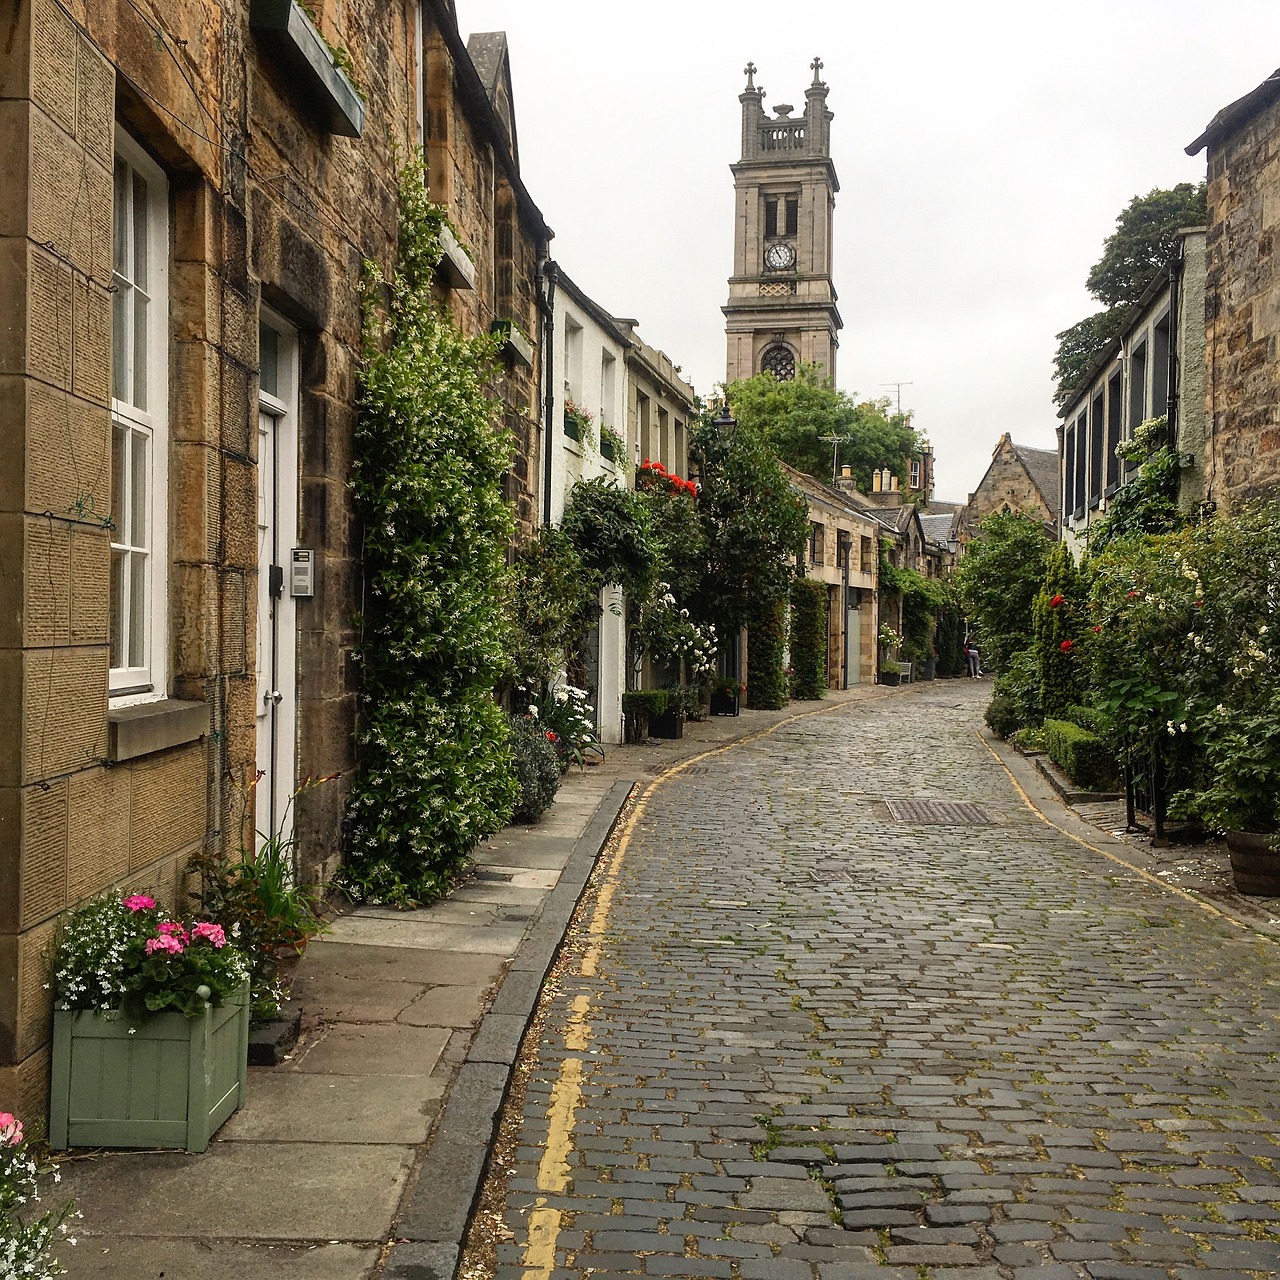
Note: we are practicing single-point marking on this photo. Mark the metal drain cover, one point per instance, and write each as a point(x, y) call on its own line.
point(945, 813)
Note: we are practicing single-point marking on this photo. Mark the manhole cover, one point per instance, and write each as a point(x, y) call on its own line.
point(945, 813)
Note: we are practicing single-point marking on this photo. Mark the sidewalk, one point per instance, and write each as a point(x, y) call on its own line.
point(360, 1156)
point(1201, 869)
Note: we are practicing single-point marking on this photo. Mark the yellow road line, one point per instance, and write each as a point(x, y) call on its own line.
point(1112, 857)
point(566, 1095)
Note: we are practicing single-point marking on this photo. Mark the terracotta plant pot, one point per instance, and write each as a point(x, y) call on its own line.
point(1255, 862)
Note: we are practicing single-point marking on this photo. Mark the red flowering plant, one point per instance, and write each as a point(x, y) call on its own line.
point(128, 954)
point(653, 475)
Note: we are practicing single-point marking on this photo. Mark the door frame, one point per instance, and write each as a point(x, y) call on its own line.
point(273, 811)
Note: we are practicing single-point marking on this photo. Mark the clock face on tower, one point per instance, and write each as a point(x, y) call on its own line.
point(780, 256)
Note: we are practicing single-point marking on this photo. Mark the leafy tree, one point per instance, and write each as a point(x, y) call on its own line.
point(794, 416)
point(1078, 347)
point(1144, 241)
point(998, 578)
point(754, 524)
point(766, 640)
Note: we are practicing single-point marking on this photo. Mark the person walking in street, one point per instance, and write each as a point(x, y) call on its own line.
point(972, 659)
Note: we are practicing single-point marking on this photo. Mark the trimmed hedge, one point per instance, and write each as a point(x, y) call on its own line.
point(646, 702)
point(766, 683)
point(1081, 755)
point(1087, 718)
point(808, 639)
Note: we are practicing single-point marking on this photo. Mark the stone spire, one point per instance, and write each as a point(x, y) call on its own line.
point(817, 117)
point(752, 99)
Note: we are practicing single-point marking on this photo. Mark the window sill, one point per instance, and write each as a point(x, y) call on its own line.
point(456, 269)
point(285, 25)
point(515, 344)
point(146, 727)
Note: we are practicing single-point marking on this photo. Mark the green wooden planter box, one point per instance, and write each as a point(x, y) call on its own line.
point(172, 1083)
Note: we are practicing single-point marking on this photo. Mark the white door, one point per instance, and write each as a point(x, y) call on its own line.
point(277, 635)
point(852, 647)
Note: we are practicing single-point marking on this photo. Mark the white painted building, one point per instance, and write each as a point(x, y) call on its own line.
point(586, 381)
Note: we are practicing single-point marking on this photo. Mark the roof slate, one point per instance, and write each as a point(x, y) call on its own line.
point(1042, 467)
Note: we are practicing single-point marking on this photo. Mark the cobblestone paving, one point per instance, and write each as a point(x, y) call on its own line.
point(821, 1044)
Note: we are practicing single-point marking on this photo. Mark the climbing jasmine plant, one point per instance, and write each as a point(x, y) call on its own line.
point(436, 772)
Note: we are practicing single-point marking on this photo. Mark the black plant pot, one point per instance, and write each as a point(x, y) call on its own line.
point(723, 704)
point(670, 724)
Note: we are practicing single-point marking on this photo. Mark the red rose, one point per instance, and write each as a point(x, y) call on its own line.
point(1067, 646)
point(1056, 601)
point(1097, 629)
point(552, 737)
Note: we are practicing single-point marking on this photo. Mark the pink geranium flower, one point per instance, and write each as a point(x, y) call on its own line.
point(139, 902)
point(10, 1130)
point(165, 942)
point(174, 930)
point(213, 932)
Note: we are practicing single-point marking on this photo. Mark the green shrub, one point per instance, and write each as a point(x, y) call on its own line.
point(1020, 684)
point(1028, 739)
point(1081, 755)
point(808, 639)
point(646, 702)
point(537, 766)
point(1002, 715)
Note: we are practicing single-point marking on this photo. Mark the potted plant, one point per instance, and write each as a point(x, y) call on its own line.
point(890, 671)
point(611, 444)
point(639, 708)
point(150, 1027)
point(1241, 756)
point(578, 422)
point(725, 697)
point(669, 723)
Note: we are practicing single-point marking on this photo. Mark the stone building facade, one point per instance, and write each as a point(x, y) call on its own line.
point(188, 201)
point(1019, 479)
point(844, 553)
point(782, 302)
point(1154, 367)
point(1242, 299)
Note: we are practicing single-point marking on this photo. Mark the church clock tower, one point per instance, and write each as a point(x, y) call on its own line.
point(782, 305)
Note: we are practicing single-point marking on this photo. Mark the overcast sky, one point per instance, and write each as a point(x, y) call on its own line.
point(983, 150)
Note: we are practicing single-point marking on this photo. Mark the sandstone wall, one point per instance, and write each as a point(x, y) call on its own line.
point(267, 208)
point(1242, 314)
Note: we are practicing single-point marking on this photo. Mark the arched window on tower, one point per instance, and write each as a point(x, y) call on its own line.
point(779, 361)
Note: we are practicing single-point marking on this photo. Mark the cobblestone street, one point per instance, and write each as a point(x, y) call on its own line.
point(801, 1032)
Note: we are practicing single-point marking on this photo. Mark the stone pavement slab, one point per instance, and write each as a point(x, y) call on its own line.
point(301, 1191)
point(145, 1258)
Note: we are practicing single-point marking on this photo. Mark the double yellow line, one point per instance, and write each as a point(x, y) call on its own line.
point(566, 1094)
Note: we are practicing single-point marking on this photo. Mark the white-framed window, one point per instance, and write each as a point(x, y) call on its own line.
point(139, 424)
